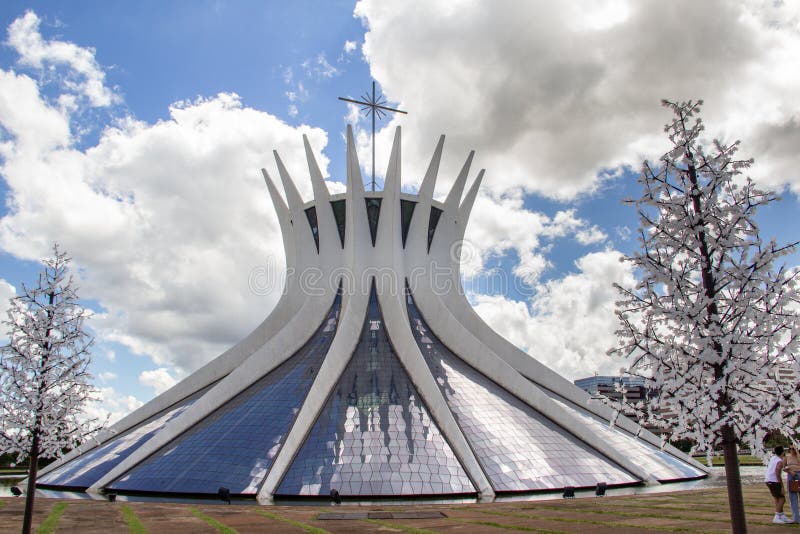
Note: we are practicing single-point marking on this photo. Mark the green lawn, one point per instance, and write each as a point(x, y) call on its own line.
point(744, 459)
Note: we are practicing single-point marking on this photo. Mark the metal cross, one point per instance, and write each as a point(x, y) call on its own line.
point(373, 105)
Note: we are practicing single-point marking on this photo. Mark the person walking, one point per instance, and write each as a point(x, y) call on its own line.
point(793, 473)
point(774, 480)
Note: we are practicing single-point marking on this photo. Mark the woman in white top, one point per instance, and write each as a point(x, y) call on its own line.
point(774, 482)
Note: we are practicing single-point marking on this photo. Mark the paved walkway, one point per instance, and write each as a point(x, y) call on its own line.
point(686, 511)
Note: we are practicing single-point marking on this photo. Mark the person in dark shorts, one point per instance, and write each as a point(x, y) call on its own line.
point(774, 480)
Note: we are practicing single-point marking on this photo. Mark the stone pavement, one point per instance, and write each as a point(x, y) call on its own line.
point(685, 511)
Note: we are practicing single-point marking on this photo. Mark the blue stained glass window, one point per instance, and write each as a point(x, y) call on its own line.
point(375, 436)
point(340, 214)
point(406, 212)
point(433, 221)
point(88, 468)
point(661, 464)
point(234, 446)
point(373, 214)
point(517, 447)
point(311, 215)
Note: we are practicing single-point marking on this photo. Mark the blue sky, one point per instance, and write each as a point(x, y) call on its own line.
point(133, 134)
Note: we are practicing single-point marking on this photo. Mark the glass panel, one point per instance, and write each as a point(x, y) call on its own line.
point(518, 448)
point(234, 447)
point(339, 213)
point(436, 213)
point(406, 212)
point(663, 466)
point(89, 467)
point(375, 436)
point(311, 215)
point(373, 214)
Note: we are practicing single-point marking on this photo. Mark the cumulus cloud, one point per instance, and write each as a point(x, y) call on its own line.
point(350, 47)
point(557, 96)
point(319, 67)
point(159, 379)
point(569, 324)
point(110, 406)
point(164, 221)
point(107, 376)
point(86, 77)
point(528, 234)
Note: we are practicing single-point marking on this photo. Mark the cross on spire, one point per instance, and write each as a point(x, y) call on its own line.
point(373, 105)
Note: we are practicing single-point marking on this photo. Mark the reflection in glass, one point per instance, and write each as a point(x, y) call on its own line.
point(661, 464)
point(311, 215)
point(234, 446)
point(373, 214)
point(406, 213)
point(88, 468)
point(433, 221)
point(375, 436)
point(340, 214)
point(518, 448)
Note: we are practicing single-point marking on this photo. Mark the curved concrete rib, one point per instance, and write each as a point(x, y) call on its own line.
point(348, 332)
point(405, 346)
point(222, 365)
point(277, 350)
point(470, 349)
point(453, 199)
point(543, 376)
point(329, 243)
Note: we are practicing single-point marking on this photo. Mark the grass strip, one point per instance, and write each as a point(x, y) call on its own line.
point(602, 523)
point(643, 514)
point(509, 527)
point(410, 530)
point(51, 522)
point(304, 526)
point(213, 522)
point(666, 507)
point(134, 525)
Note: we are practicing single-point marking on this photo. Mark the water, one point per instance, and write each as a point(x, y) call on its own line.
point(6, 481)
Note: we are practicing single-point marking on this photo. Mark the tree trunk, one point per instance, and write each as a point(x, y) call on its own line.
point(733, 481)
point(31, 490)
point(37, 425)
point(732, 478)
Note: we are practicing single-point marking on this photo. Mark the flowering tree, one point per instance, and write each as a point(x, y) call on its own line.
point(712, 321)
point(44, 382)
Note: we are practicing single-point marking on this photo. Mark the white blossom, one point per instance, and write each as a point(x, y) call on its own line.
point(711, 321)
point(44, 381)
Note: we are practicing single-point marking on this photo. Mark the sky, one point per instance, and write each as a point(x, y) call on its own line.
point(132, 133)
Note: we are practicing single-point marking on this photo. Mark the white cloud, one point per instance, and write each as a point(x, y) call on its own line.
point(111, 406)
point(35, 126)
point(319, 67)
point(164, 221)
point(555, 93)
point(159, 379)
point(591, 235)
point(522, 231)
point(350, 47)
point(88, 78)
point(570, 323)
point(107, 376)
